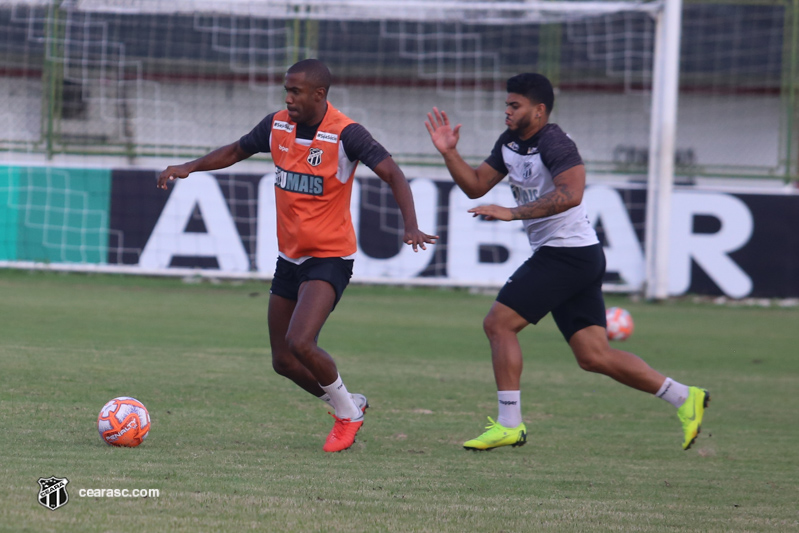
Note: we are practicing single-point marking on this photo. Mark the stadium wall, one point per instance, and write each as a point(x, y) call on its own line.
point(710, 139)
point(724, 241)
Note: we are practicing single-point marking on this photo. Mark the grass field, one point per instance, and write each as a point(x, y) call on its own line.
point(234, 447)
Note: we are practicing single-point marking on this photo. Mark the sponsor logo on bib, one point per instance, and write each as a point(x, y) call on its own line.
point(327, 137)
point(283, 126)
point(299, 183)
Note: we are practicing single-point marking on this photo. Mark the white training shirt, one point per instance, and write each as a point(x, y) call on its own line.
point(530, 166)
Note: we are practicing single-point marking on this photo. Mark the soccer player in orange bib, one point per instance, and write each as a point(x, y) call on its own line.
point(316, 149)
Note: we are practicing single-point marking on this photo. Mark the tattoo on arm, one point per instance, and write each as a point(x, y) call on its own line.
point(552, 203)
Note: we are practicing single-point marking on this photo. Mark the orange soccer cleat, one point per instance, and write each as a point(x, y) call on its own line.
point(343, 434)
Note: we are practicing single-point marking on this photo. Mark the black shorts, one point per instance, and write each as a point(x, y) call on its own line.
point(289, 276)
point(564, 281)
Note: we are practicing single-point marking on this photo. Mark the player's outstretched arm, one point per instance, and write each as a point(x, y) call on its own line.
point(568, 193)
point(220, 158)
point(474, 182)
point(388, 171)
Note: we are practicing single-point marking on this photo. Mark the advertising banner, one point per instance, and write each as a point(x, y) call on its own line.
point(736, 244)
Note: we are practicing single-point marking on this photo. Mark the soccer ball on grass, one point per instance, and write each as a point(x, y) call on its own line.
point(123, 421)
point(620, 324)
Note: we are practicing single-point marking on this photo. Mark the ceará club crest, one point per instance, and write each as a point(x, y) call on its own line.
point(315, 157)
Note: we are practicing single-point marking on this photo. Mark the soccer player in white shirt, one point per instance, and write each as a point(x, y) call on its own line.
point(564, 274)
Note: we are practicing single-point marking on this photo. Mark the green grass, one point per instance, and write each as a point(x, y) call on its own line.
point(234, 447)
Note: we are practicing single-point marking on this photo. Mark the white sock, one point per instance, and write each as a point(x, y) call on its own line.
point(673, 392)
point(326, 398)
point(341, 400)
point(510, 408)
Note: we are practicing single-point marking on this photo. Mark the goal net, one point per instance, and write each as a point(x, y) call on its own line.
point(98, 96)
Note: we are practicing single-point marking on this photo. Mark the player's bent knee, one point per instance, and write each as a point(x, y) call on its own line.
point(488, 325)
point(493, 327)
point(280, 368)
point(300, 346)
point(591, 362)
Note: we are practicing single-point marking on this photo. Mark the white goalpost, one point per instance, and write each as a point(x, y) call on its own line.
point(663, 132)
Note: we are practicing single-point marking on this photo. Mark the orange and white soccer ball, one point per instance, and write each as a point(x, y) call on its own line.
point(123, 421)
point(620, 324)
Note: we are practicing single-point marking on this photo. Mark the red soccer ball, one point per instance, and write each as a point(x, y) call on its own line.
point(123, 421)
point(620, 324)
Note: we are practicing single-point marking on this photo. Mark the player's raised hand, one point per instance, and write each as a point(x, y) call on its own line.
point(444, 137)
point(170, 173)
point(417, 239)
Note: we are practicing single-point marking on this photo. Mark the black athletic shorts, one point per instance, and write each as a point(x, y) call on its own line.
point(289, 276)
point(564, 281)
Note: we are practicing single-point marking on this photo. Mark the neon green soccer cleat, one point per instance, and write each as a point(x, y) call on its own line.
point(691, 412)
point(497, 436)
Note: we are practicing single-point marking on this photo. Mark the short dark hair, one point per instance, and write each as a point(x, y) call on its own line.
point(535, 87)
point(315, 71)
